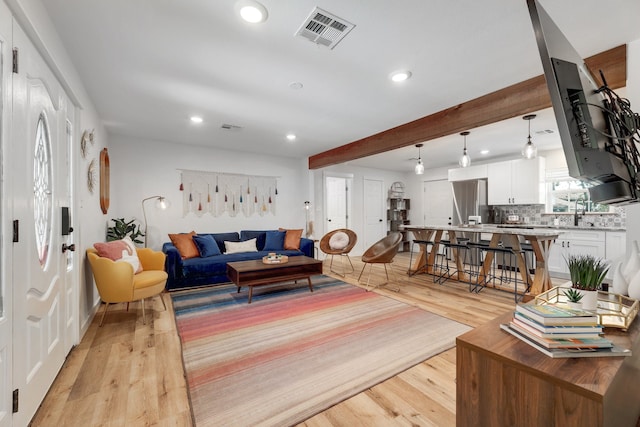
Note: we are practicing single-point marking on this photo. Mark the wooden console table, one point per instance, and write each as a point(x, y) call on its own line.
point(502, 381)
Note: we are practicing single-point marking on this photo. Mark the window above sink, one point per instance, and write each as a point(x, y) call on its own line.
point(566, 194)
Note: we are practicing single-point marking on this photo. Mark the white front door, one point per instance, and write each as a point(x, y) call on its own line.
point(6, 287)
point(374, 212)
point(40, 189)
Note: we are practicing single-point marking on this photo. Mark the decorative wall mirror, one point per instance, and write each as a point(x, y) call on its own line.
point(104, 181)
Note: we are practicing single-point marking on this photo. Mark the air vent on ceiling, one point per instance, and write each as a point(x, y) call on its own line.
point(324, 28)
point(226, 126)
point(543, 132)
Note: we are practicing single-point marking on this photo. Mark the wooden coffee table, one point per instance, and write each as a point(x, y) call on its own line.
point(256, 273)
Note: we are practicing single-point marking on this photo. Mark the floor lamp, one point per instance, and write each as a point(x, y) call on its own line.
point(307, 206)
point(161, 203)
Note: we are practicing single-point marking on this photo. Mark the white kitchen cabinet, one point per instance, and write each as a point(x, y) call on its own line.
point(516, 182)
point(616, 245)
point(575, 242)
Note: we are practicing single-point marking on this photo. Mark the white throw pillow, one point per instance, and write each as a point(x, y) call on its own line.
point(339, 240)
point(245, 246)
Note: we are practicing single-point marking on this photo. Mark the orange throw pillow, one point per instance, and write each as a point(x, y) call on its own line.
point(292, 239)
point(185, 244)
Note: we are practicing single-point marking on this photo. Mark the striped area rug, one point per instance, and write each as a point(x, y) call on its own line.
point(291, 353)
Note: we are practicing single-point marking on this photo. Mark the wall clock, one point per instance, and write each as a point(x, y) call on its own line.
point(104, 180)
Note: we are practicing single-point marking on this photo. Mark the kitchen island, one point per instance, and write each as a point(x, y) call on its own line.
point(539, 238)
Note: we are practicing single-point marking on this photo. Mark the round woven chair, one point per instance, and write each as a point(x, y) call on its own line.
point(342, 251)
point(382, 252)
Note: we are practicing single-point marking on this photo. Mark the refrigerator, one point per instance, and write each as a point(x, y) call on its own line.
point(469, 199)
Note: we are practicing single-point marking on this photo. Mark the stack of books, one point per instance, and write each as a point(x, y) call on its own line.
point(561, 332)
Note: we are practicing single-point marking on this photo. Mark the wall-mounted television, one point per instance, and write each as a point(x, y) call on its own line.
point(599, 132)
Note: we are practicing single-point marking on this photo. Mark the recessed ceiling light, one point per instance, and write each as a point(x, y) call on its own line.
point(251, 11)
point(484, 152)
point(400, 76)
point(296, 85)
point(196, 119)
point(291, 137)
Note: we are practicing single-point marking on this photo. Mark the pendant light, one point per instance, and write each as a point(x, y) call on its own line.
point(419, 169)
point(529, 151)
point(465, 160)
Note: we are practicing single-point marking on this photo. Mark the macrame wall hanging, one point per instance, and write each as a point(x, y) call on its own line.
point(216, 193)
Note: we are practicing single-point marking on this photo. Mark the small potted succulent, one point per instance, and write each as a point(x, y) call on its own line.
point(573, 298)
point(587, 273)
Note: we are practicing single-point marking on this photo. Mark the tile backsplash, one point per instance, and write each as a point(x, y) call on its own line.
point(535, 214)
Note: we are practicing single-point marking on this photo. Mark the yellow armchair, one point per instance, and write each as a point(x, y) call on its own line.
point(116, 281)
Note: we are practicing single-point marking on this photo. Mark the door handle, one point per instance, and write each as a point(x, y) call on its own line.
point(71, 247)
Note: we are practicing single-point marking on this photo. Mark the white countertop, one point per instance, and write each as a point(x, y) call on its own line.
point(490, 228)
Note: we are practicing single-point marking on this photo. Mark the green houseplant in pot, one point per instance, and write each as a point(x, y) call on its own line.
point(574, 298)
point(122, 229)
point(587, 273)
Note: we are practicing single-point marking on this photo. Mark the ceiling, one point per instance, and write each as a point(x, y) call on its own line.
point(150, 65)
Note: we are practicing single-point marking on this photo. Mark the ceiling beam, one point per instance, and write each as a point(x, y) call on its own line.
point(516, 100)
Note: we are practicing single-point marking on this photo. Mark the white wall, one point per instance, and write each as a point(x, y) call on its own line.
point(144, 168)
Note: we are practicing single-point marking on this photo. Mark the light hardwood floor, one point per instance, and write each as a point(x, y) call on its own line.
point(129, 374)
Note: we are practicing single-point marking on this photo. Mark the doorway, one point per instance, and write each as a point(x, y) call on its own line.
point(337, 201)
point(39, 161)
point(374, 211)
point(437, 202)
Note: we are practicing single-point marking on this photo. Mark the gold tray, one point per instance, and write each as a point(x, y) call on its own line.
point(614, 311)
point(282, 259)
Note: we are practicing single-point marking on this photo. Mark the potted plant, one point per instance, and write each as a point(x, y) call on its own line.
point(573, 298)
point(587, 273)
point(122, 229)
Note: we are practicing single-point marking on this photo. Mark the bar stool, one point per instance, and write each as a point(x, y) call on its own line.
point(425, 266)
point(528, 249)
point(474, 262)
point(445, 271)
point(508, 273)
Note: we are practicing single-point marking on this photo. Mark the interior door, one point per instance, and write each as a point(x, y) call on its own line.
point(374, 211)
point(437, 202)
point(5, 231)
point(40, 190)
point(336, 203)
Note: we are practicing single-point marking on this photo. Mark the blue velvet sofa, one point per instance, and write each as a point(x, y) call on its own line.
point(198, 271)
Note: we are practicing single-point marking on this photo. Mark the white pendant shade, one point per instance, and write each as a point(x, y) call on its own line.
point(529, 151)
point(465, 160)
point(419, 168)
